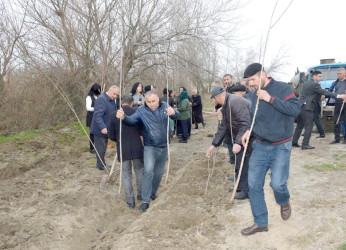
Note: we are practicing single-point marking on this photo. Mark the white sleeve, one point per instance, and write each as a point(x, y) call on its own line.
point(88, 104)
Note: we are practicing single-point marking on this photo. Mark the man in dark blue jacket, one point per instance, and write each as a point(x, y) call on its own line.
point(104, 106)
point(273, 130)
point(153, 115)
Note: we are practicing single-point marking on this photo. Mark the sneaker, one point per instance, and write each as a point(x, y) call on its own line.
point(321, 136)
point(92, 151)
point(182, 140)
point(143, 207)
point(334, 142)
point(241, 196)
point(153, 196)
point(131, 204)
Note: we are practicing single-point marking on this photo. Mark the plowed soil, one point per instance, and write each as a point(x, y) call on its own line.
point(50, 198)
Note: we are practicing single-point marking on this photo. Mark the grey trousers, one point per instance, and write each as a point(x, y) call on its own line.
point(101, 147)
point(138, 166)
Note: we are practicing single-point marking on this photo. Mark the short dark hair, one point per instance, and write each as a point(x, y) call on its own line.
point(227, 75)
point(165, 91)
point(315, 73)
point(128, 99)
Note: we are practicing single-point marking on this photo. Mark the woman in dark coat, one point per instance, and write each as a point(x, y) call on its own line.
point(197, 116)
point(94, 92)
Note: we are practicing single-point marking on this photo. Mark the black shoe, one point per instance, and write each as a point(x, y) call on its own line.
point(295, 145)
point(196, 126)
point(241, 196)
point(321, 136)
point(153, 196)
point(139, 197)
point(182, 140)
point(92, 151)
point(231, 190)
point(204, 124)
point(143, 207)
point(131, 204)
point(307, 147)
point(334, 142)
point(108, 168)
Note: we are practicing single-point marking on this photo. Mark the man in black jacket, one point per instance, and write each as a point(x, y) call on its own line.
point(132, 150)
point(310, 95)
point(236, 111)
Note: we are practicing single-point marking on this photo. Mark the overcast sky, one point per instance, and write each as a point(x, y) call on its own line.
point(310, 30)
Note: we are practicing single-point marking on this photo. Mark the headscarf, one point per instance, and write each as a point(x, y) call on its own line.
point(95, 90)
point(183, 96)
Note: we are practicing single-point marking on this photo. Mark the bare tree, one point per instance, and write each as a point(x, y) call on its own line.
point(11, 30)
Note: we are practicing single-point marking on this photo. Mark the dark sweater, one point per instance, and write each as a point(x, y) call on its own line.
point(132, 146)
point(275, 119)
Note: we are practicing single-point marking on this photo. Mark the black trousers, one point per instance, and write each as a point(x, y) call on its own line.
point(342, 118)
point(93, 141)
point(243, 182)
point(317, 120)
point(305, 120)
point(101, 147)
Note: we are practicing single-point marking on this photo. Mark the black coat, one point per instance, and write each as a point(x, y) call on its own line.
point(197, 116)
point(311, 94)
point(132, 146)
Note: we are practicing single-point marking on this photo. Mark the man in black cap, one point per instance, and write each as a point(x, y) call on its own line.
point(239, 90)
point(235, 118)
point(273, 130)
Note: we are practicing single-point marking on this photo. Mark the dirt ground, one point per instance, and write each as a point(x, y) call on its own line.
point(50, 198)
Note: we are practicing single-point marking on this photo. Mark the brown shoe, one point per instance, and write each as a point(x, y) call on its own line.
point(286, 211)
point(253, 229)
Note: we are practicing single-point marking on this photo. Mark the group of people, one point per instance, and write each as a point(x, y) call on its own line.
point(310, 98)
point(147, 120)
point(270, 143)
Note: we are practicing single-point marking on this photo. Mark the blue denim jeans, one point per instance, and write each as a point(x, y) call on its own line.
point(277, 159)
point(154, 167)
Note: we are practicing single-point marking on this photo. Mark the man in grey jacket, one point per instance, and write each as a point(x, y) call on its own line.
point(235, 114)
point(310, 95)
